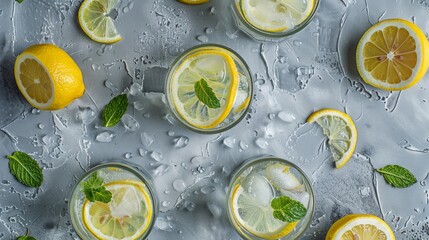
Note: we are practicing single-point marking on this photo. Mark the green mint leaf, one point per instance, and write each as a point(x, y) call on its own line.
point(19, 1)
point(397, 176)
point(26, 237)
point(205, 94)
point(25, 169)
point(95, 191)
point(287, 210)
point(114, 110)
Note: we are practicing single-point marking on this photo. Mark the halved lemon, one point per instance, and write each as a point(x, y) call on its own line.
point(48, 77)
point(127, 216)
point(193, 2)
point(256, 218)
point(96, 20)
point(360, 226)
point(341, 133)
point(276, 15)
point(393, 55)
point(218, 69)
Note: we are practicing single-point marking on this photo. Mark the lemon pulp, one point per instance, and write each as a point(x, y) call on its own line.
point(96, 20)
point(341, 133)
point(219, 70)
point(127, 216)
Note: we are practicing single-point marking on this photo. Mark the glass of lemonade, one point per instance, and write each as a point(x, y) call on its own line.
point(273, 20)
point(131, 212)
point(258, 187)
point(209, 88)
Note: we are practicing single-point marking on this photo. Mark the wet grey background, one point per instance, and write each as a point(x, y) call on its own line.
point(313, 69)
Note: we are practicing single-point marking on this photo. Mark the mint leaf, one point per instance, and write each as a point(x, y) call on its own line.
point(397, 176)
point(114, 110)
point(95, 191)
point(25, 169)
point(205, 94)
point(287, 210)
point(26, 237)
point(19, 1)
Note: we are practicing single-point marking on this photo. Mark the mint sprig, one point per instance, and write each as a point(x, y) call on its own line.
point(205, 94)
point(114, 110)
point(95, 191)
point(287, 210)
point(397, 176)
point(25, 169)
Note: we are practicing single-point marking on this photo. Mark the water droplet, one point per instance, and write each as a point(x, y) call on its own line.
point(142, 152)
point(297, 43)
point(270, 130)
point(46, 139)
point(198, 160)
point(212, 10)
point(226, 170)
point(200, 169)
point(161, 170)
point(111, 87)
point(271, 116)
point(139, 105)
point(35, 111)
point(179, 185)
point(209, 30)
point(165, 203)
point(208, 189)
point(286, 116)
point(214, 209)
point(105, 137)
point(128, 155)
point(157, 156)
point(243, 145)
point(262, 143)
point(170, 118)
point(181, 142)
point(365, 191)
point(41, 126)
point(229, 142)
point(146, 115)
point(130, 123)
point(95, 67)
point(135, 89)
point(146, 139)
point(85, 115)
point(202, 38)
point(170, 133)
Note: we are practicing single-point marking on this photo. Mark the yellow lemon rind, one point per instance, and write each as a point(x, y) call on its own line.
point(193, 2)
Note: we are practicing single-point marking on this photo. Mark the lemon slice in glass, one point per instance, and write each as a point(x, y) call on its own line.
point(218, 69)
point(393, 55)
point(341, 133)
point(276, 15)
point(127, 216)
point(193, 2)
point(96, 20)
point(257, 218)
point(360, 226)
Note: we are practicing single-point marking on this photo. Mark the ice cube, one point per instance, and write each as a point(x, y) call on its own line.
point(229, 142)
point(130, 123)
point(157, 156)
point(259, 188)
point(300, 196)
point(181, 142)
point(146, 139)
point(262, 143)
point(281, 178)
point(286, 116)
point(161, 170)
point(214, 209)
point(135, 89)
point(105, 137)
point(85, 114)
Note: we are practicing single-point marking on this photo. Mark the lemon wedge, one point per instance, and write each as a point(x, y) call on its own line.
point(257, 218)
point(360, 226)
point(393, 55)
point(95, 19)
point(341, 133)
point(127, 216)
point(218, 69)
point(48, 77)
point(276, 15)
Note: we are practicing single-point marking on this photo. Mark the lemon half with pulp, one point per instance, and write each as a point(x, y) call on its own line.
point(218, 69)
point(393, 55)
point(127, 216)
point(341, 133)
point(360, 226)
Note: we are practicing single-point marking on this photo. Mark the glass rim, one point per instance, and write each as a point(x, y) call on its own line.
point(171, 105)
point(251, 161)
point(140, 173)
point(271, 36)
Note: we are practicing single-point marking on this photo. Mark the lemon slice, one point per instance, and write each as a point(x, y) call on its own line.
point(341, 133)
point(128, 216)
point(48, 77)
point(95, 19)
point(257, 218)
point(360, 226)
point(276, 15)
point(193, 2)
point(393, 55)
point(220, 72)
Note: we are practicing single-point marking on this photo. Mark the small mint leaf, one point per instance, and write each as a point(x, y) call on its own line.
point(25, 169)
point(287, 210)
point(397, 176)
point(95, 191)
point(19, 1)
point(26, 237)
point(205, 94)
point(114, 110)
